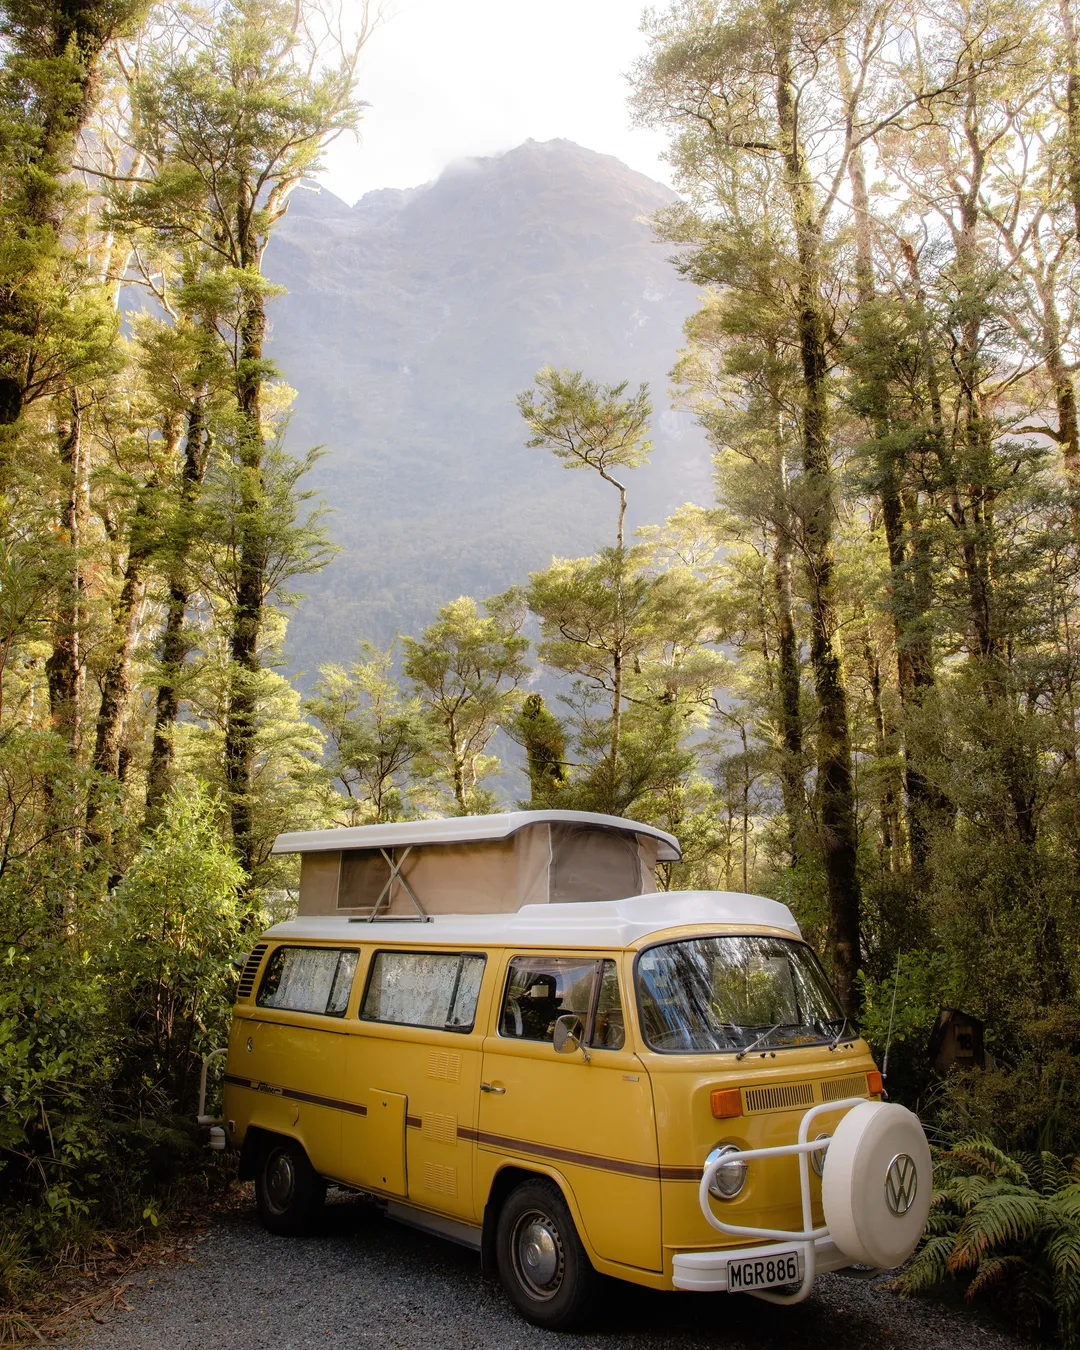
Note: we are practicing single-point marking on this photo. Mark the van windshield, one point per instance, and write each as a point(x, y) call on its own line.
point(734, 993)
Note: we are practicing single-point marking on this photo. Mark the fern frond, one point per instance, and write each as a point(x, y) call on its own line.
point(1008, 1215)
point(1031, 1164)
point(1053, 1173)
point(930, 1266)
point(1067, 1201)
point(993, 1272)
point(980, 1157)
point(964, 1191)
point(1063, 1251)
point(1067, 1308)
point(941, 1220)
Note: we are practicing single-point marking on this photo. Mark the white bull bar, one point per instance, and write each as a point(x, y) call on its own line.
point(707, 1270)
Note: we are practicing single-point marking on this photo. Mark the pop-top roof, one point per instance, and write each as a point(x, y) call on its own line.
point(463, 830)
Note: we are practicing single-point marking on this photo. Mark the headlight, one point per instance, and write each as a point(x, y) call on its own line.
point(729, 1179)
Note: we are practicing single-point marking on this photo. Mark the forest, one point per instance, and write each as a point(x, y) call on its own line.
point(848, 681)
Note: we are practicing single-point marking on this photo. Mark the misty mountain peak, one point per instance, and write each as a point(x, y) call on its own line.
point(412, 321)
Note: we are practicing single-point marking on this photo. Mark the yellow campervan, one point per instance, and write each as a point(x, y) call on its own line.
point(499, 1029)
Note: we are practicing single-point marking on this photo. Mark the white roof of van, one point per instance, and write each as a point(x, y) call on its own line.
point(595, 923)
point(462, 830)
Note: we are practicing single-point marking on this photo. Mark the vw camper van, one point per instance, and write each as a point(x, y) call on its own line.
point(499, 1029)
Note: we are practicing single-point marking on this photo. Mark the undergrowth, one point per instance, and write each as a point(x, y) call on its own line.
point(1006, 1229)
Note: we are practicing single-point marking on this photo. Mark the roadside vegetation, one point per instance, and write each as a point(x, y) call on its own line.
point(848, 681)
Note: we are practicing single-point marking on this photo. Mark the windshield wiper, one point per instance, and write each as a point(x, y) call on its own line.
point(839, 1034)
point(763, 1037)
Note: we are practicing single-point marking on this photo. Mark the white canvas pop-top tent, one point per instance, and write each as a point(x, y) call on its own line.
point(475, 864)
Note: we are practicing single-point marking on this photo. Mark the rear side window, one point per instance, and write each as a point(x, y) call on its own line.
point(541, 989)
point(308, 979)
point(424, 989)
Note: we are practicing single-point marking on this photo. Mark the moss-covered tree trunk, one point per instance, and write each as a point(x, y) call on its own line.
point(834, 786)
point(241, 726)
point(116, 686)
point(64, 666)
point(789, 695)
point(174, 641)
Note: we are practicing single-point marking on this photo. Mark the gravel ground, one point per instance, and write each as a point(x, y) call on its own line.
point(366, 1283)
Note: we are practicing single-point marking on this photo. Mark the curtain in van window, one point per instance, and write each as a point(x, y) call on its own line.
point(592, 863)
point(308, 979)
point(424, 989)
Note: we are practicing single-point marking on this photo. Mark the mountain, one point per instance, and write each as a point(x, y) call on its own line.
point(412, 320)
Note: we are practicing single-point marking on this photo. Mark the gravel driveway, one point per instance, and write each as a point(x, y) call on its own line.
point(365, 1281)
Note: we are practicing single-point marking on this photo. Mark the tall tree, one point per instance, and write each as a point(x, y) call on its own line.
point(733, 83)
point(589, 426)
point(375, 733)
point(233, 121)
point(466, 668)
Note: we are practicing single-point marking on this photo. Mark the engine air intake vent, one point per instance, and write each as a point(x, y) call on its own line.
point(782, 1097)
point(835, 1089)
point(247, 979)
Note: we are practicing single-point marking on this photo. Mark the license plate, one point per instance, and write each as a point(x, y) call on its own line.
point(762, 1272)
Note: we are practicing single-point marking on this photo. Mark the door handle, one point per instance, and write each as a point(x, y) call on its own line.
point(490, 1087)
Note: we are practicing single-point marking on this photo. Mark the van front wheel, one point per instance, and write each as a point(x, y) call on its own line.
point(542, 1264)
point(288, 1190)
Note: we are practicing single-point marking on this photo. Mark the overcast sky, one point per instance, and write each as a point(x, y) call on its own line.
point(448, 79)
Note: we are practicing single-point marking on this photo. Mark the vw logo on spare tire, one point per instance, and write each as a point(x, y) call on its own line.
point(901, 1184)
point(873, 1223)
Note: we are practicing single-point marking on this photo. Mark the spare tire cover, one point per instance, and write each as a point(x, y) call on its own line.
point(877, 1183)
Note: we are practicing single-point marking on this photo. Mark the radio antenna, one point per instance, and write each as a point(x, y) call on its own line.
point(892, 1013)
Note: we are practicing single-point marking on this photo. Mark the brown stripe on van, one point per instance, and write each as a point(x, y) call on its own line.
point(413, 1122)
point(681, 1173)
point(354, 1108)
point(537, 1150)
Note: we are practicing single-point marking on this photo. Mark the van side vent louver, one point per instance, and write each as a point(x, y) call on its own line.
point(833, 1089)
point(247, 979)
point(782, 1097)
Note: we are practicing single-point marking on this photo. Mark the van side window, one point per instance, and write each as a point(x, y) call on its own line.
point(424, 989)
point(541, 989)
point(308, 979)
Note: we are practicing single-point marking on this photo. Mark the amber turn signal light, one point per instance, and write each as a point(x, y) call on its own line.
point(726, 1102)
point(874, 1082)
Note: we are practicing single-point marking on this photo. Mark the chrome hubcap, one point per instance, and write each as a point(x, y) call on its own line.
point(538, 1254)
point(280, 1180)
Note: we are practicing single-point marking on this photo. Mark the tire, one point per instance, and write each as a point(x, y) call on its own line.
point(542, 1264)
point(288, 1190)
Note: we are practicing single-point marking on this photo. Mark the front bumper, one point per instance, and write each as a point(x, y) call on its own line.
point(707, 1272)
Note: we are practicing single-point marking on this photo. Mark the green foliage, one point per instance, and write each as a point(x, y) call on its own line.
point(1007, 1229)
point(633, 638)
point(542, 735)
point(465, 669)
point(106, 1006)
point(588, 425)
point(376, 735)
point(179, 925)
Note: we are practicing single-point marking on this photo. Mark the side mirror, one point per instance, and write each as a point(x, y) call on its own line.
point(566, 1038)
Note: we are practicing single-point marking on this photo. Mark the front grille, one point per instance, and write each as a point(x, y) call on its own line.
point(251, 969)
point(782, 1097)
point(833, 1089)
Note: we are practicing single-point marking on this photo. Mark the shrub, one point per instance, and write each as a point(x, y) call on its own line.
point(1008, 1230)
point(107, 1003)
point(179, 925)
